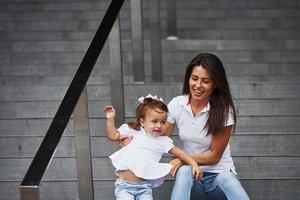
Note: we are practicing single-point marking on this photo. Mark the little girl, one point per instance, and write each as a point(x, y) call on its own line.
point(137, 164)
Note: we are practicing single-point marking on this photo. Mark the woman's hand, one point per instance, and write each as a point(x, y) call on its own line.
point(176, 164)
point(197, 172)
point(124, 140)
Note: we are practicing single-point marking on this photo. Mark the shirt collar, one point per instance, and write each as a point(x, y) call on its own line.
point(185, 103)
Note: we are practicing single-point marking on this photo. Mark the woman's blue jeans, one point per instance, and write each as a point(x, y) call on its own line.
point(212, 186)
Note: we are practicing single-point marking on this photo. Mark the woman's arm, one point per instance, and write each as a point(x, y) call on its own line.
point(213, 156)
point(218, 145)
point(169, 129)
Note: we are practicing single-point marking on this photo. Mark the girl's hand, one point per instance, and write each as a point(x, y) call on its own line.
point(176, 164)
point(197, 172)
point(109, 112)
point(124, 140)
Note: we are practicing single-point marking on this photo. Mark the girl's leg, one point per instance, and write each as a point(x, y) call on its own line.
point(182, 184)
point(123, 195)
point(145, 194)
point(231, 186)
point(120, 191)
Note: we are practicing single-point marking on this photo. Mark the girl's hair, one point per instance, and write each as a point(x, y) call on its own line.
point(141, 111)
point(221, 102)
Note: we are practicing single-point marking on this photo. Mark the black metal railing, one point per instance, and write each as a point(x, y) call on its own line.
point(51, 140)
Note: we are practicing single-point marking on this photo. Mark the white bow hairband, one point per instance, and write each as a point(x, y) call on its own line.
point(141, 99)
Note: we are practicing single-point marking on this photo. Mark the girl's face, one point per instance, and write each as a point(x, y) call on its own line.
point(154, 122)
point(201, 85)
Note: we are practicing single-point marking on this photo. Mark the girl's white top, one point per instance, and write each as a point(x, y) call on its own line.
point(193, 136)
point(142, 155)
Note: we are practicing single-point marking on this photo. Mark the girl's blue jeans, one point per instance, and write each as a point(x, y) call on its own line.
point(212, 186)
point(125, 190)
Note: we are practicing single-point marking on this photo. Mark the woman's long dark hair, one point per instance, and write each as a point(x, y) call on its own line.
point(221, 102)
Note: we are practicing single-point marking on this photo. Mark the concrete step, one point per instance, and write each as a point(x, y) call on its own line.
point(240, 91)
point(47, 14)
point(235, 68)
point(267, 57)
point(241, 57)
point(23, 127)
point(64, 11)
point(62, 169)
point(46, 109)
point(76, 20)
point(237, 4)
point(211, 33)
point(186, 9)
point(257, 189)
point(61, 81)
point(167, 45)
point(218, 33)
point(242, 145)
point(73, 5)
point(190, 23)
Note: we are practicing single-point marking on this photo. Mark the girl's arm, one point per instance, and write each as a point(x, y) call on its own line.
point(218, 145)
point(197, 173)
point(111, 131)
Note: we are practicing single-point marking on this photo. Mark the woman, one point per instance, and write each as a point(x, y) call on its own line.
point(205, 116)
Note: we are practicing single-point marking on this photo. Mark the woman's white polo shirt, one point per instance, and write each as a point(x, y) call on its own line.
point(193, 136)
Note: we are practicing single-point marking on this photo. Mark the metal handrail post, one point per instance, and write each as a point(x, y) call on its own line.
point(29, 192)
point(116, 72)
point(83, 148)
point(155, 42)
point(137, 41)
point(171, 20)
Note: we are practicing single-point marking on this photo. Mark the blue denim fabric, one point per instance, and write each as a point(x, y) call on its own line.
point(200, 194)
point(182, 184)
point(212, 186)
point(125, 190)
point(207, 188)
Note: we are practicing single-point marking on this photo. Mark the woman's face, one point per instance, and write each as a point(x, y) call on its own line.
point(201, 84)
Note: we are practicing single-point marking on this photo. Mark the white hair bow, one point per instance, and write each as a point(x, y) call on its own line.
point(141, 99)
